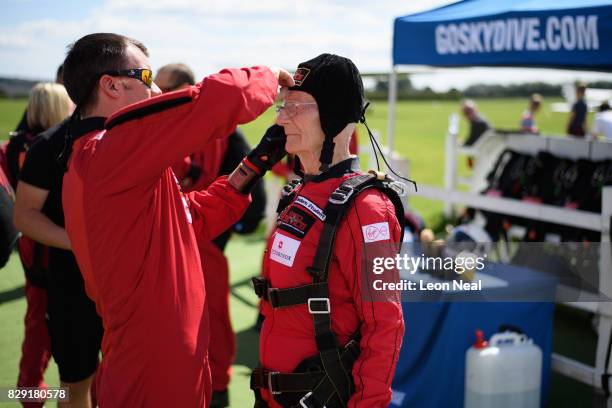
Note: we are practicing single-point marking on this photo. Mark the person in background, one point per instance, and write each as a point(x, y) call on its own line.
point(528, 122)
point(602, 124)
point(59, 79)
point(576, 126)
point(478, 124)
point(48, 105)
point(172, 77)
point(196, 172)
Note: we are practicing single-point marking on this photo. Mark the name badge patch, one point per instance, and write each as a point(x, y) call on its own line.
point(376, 232)
point(295, 221)
point(310, 206)
point(283, 249)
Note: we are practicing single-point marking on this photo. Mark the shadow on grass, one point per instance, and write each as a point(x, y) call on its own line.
point(12, 294)
point(240, 284)
point(247, 352)
point(247, 340)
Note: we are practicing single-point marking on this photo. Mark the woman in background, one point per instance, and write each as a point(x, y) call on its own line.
point(48, 105)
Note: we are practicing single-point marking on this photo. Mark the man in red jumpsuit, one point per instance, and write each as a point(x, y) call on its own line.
point(319, 116)
point(133, 230)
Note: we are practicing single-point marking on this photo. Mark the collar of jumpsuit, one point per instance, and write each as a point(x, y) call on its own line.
point(350, 165)
point(87, 125)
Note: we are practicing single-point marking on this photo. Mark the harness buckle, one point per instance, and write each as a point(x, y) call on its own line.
point(399, 187)
point(270, 382)
point(341, 195)
point(318, 310)
point(289, 187)
point(380, 176)
point(304, 403)
point(271, 296)
point(261, 287)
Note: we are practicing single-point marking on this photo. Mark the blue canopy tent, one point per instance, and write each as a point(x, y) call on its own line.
point(567, 34)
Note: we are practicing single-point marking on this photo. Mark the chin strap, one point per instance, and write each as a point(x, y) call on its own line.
point(327, 153)
point(376, 148)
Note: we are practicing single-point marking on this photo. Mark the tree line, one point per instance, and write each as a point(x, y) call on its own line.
point(406, 90)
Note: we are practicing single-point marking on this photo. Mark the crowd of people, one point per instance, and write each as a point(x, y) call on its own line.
point(577, 125)
point(128, 187)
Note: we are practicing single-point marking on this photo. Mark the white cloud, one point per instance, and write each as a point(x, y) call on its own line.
point(210, 35)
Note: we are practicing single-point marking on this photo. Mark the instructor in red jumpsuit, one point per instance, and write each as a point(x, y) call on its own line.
point(319, 115)
point(133, 230)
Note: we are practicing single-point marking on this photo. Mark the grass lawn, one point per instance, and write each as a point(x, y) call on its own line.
point(420, 133)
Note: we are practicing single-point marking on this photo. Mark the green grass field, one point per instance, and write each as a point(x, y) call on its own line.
point(420, 132)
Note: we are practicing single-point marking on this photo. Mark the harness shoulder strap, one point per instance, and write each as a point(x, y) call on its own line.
point(287, 194)
point(337, 380)
point(338, 205)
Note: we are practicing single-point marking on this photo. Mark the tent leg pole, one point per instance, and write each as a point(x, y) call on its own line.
point(450, 160)
point(392, 104)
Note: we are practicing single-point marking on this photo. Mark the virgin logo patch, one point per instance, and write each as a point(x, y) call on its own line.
point(283, 249)
point(376, 232)
point(300, 75)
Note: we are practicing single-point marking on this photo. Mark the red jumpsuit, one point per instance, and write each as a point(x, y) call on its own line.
point(222, 346)
point(287, 335)
point(134, 235)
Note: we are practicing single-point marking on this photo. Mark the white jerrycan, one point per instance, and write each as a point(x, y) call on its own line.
point(505, 373)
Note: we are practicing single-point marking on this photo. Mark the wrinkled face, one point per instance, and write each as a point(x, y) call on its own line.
point(300, 119)
point(133, 90)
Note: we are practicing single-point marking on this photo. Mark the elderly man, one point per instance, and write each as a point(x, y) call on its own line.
point(131, 227)
point(324, 340)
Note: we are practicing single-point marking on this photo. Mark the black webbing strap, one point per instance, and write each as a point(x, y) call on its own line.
point(338, 204)
point(298, 295)
point(285, 382)
point(287, 194)
point(326, 389)
point(338, 380)
point(277, 382)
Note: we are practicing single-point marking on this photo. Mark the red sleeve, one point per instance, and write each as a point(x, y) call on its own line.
point(382, 323)
point(138, 149)
point(217, 208)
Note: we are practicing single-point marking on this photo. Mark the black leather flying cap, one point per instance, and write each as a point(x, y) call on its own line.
point(335, 84)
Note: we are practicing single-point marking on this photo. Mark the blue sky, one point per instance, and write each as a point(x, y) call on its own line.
point(210, 35)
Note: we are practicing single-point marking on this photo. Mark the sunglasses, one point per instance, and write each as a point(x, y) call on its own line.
point(144, 75)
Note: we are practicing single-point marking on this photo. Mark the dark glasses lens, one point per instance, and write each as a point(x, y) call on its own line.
point(144, 75)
